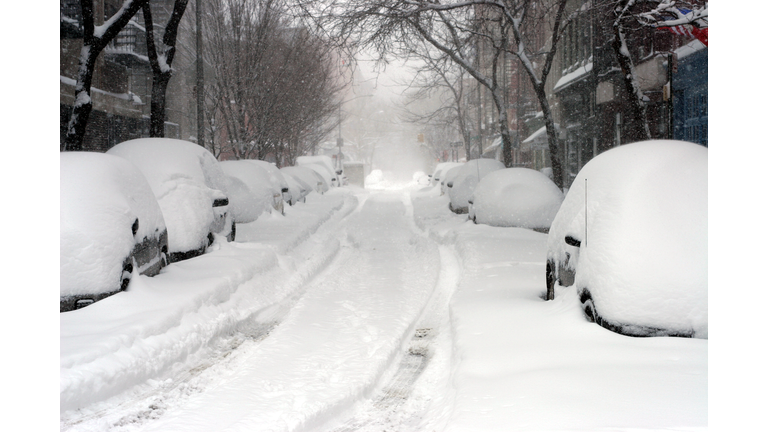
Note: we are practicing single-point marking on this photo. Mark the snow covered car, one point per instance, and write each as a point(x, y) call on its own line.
point(309, 176)
point(251, 193)
point(277, 179)
point(111, 225)
point(298, 188)
point(190, 188)
point(447, 177)
point(441, 169)
point(462, 186)
point(516, 197)
point(631, 238)
point(323, 165)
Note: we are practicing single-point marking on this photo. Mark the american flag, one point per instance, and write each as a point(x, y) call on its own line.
point(702, 34)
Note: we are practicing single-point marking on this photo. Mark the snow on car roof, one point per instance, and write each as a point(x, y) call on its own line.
point(467, 177)
point(185, 178)
point(252, 194)
point(519, 197)
point(101, 197)
point(644, 245)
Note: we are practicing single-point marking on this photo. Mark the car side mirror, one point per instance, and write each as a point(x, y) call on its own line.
point(572, 241)
point(450, 184)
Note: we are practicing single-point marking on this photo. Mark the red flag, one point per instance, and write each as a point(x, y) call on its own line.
point(702, 35)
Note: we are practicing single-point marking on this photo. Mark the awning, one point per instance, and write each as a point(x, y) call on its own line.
point(575, 76)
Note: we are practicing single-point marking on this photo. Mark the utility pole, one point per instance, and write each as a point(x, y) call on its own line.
point(200, 82)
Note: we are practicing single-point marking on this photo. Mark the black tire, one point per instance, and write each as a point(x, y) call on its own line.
point(551, 278)
point(125, 277)
point(588, 305)
point(232, 233)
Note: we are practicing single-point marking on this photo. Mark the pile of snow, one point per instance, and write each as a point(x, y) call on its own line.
point(375, 177)
point(250, 190)
point(465, 180)
point(518, 197)
point(643, 254)
point(101, 198)
point(420, 178)
point(186, 179)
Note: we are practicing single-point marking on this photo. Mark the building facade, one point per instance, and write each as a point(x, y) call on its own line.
point(122, 80)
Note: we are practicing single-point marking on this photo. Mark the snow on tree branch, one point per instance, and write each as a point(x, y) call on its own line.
point(670, 13)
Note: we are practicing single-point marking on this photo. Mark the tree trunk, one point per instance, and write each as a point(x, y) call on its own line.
point(638, 129)
point(92, 47)
point(83, 105)
point(552, 137)
point(161, 64)
point(157, 107)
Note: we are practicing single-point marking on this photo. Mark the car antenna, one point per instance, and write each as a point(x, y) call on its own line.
point(586, 209)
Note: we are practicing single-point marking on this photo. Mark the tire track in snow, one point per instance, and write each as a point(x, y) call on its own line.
point(416, 396)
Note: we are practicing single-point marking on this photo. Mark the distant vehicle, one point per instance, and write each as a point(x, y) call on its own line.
point(323, 165)
point(111, 225)
point(251, 191)
point(309, 176)
point(189, 186)
point(631, 238)
point(441, 169)
point(462, 186)
point(516, 197)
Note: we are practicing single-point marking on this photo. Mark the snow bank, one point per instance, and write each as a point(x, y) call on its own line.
point(518, 197)
point(644, 248)
point(101, 197)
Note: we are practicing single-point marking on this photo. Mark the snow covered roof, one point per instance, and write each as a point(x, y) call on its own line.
point(572, 77)
point(540, 136)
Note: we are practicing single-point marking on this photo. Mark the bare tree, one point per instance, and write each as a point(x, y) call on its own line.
point(273, 82)
point(457, 29)
point(95, 39)
point(161, 62)
point(438, 76)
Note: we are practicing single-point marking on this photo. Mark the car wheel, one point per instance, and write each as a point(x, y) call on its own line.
point(210, 239)
point(232, 232)
point(125, 277)
point(551, 280)
point(588, 304)
point(164, 256)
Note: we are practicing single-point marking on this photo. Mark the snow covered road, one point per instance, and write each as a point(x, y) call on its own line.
point(367, 311)
point(337, 341)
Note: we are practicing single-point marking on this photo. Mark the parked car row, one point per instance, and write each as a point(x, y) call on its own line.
point(630, 235)
point(149, 202)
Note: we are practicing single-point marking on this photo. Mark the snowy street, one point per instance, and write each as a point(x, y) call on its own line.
point(367, 310)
